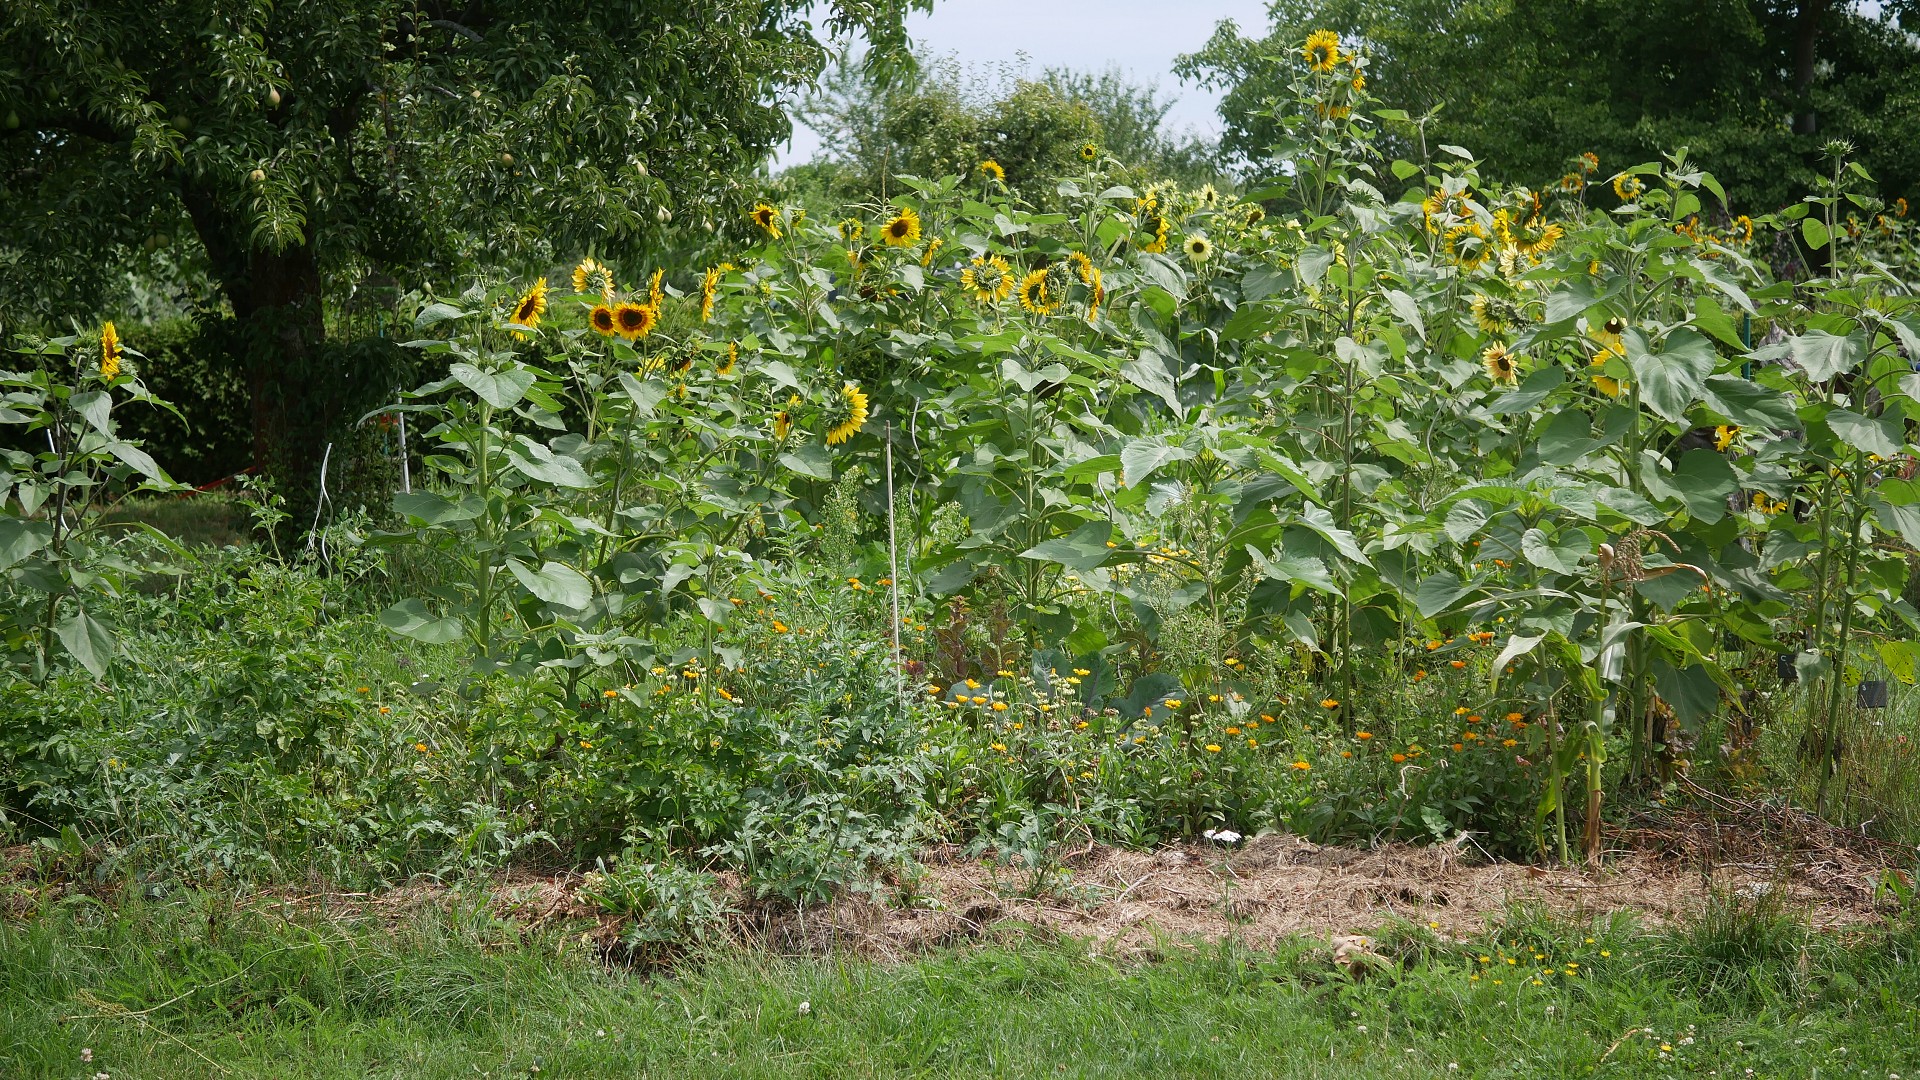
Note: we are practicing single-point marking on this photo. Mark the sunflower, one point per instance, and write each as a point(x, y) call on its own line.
point(1589, 162)
point(767, 218)
point(709, 286)
point(654, 292)
point(1494, 315)
point(1088, 151)
point(733, 357)
point(1499, 363)
point(635, 321)
point(1359, 83)
point(1723, 435)
point(1255, 215)
point(990, 279)
point(901, 229)
point(782, 425)
point(528, 310)
point(593, 276)
point(1467, 245)
point(1156, 226)
point(1034, 295)
point(1573, 183)
point(991, 170)
point(852, 409)
point(602, 320)
point(1198, 248)
point(1608, 345)
point(1899, 207)
point(852, 229)
point(1627, 187)
point(1208, 196)
point(109, 352)
point(933, 245)
point(1323, 50)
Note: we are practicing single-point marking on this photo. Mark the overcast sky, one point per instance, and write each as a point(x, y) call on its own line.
point(1141, 37)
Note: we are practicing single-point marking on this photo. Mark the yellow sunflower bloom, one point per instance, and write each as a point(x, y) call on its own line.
point(991, 170)
point(1499, 364)
point(1628, 187)
point(1198, 248)
point(593, 276)
point(767, 218)
point(902, 229)
point(531, 306)
point(1322, 50)
point(1723, 436)
point(109, 352)
point(602, 320)
point(733, 358)
point(1034, 294)
point(989, 279)
point(853, 414)
point(635, 321)
point(709, 287)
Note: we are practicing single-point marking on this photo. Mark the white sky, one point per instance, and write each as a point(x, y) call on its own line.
point(1141, 37)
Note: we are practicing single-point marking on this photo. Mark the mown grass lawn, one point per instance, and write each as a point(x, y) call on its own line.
point(189, 988)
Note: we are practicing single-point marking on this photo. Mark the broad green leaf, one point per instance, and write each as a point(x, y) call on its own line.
point(434, 509)
point(501, 389)
point(1439, 593)
point(1560, 554)
point(1865, 434)
point(1822, 355)
point(644, 395)
point(1702, 480)
point(1313, 264)
point(96, 408)
point(1567, 438)
point(1465, 520)
point(809, 459)
point(21, 538)
point(137, 459)
point(88, 640)
point(410, 618)
point(1814, 231)
point(1748, 403)
point(1404, 306)
point(1690, 690)
point(1149, 372)
point(436, 313)
point(1294, 569)
point(1085, 549)
point(1532, 391)
point(555, 583)
point(1900, 657)
point(1903, 519)
point(541, 463)
point(1141, 457)
point(1673, 378)
point(1321, 522)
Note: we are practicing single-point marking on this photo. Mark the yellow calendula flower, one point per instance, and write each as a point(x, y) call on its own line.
point(1034, 294)
point(1499, 363)
point(109, 352)
point(767, 218)
point(1322, 50)
point(852, 414)
point(531, 306)
point(902, 229)
point(989, 279)
point(991, 170)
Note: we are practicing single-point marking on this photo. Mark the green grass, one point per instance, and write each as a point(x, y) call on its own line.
point(191, 988)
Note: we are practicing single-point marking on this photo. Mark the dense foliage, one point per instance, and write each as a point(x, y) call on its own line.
point(1753, 89)
point(1385, 501)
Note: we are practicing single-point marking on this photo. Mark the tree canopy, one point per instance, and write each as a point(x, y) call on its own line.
point(1753, 88)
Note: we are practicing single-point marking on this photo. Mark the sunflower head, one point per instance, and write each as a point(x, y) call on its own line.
point(933, 245)
point(733, 358)
point(1469, 245)
point(602, 320)
point(988, 278)
point(902, 229)
point(635, 321)
point(1628, 187)
point(1899, 208)
point(1588, 162)
point(1572, 183)
point(852, 229)
point(1723, 436)
point(1322, 50)
point(530, 307)
point(991, 170)
point(1198, 248)
point(109, 352)
point(709, 288)
point(593, 276)
point(1494, 315)
point(1499, 364)
point(1089, 152)
point(1155, 226)
point(1035, 295)
point(782, 425)
point(850, 412)
point(1255, 215)
point(767, 218)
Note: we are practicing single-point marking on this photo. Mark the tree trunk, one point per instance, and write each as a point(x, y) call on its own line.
point(277, 305)
point(1806, 36)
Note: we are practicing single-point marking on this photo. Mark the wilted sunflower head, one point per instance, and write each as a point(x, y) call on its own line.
point(767, 218)
point(1499, 363)
point(635, 321)
point(602, 321)
point(1198, 248)
point(901, 229)
point(1322, 50)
